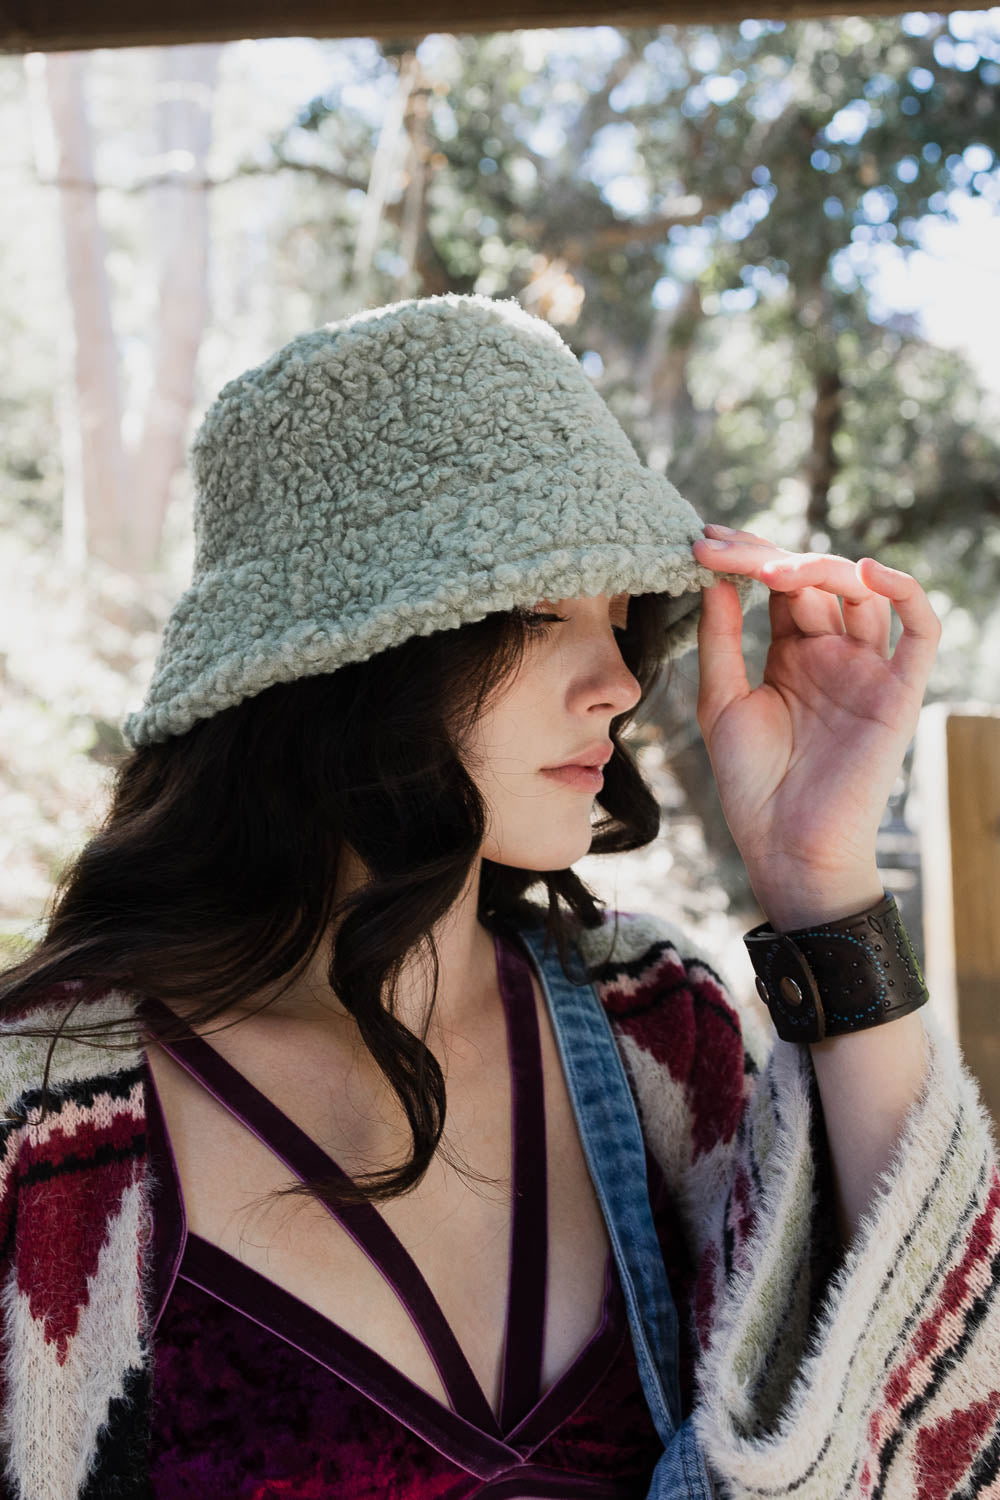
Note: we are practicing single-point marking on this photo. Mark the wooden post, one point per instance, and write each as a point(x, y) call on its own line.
point(957, 780)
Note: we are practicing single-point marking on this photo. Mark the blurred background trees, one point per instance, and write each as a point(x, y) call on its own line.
point(704, 213)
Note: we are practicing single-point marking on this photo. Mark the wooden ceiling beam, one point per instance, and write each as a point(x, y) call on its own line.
point(68, 25)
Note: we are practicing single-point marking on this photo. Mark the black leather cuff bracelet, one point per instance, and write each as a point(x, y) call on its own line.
point(837, 977)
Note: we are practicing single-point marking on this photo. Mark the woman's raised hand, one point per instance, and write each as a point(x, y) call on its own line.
point(805, 762)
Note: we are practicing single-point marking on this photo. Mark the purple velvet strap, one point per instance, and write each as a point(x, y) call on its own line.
point(525, 1324)
point(524, 1340)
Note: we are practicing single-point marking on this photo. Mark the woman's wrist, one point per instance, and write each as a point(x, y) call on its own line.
point(794, 907)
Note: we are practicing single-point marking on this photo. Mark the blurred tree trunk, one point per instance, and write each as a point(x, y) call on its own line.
point(179, 206)
point(821, 462)
point(394, 150)
point(662, 374)
point(404, 155)
point(416, 180)
point(101, 470)
point(123, 495)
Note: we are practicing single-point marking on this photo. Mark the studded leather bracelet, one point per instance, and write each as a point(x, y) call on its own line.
point(837, 977)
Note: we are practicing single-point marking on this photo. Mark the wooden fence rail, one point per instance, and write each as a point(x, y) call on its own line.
point(957, 781)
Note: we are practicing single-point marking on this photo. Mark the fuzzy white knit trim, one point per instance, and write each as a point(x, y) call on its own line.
point(55, 1411)
point(22, 1058)
point(893, 1269)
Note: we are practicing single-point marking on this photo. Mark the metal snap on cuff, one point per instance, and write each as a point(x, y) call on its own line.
point(790, 991)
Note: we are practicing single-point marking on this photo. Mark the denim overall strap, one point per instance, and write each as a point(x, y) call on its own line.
point(613, 1144)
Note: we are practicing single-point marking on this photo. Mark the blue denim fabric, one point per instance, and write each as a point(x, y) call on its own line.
point(613, 1145)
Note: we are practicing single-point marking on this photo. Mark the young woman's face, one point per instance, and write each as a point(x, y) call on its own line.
point(572, 682)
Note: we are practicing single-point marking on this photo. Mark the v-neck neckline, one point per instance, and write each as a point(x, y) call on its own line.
point(521, 1399)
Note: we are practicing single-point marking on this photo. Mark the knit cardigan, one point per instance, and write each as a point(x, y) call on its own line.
point(819, 1372)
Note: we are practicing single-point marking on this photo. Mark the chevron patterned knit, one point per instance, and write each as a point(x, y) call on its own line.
point(819, 1374)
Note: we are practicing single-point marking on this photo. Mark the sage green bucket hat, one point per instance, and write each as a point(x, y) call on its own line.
point(410, 468)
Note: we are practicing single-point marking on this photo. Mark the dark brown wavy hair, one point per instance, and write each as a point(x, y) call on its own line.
point(211, 877)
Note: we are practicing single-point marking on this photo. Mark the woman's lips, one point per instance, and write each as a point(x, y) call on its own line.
point(583, 778)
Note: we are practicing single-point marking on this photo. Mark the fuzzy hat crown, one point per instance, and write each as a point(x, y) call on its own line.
point(408, 469)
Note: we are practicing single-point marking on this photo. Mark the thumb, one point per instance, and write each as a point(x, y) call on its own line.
point(722, 673)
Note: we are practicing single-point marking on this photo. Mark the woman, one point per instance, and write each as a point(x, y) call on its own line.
point(568, 1222)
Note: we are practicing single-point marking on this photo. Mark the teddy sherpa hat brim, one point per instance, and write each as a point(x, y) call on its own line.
point(408, 469)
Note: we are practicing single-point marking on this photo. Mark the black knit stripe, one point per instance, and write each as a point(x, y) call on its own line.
point(121, 1465)
point(725, 1010)
point(606, 972)
point(944, 1361)
point(750, 1064)
point(739, 1153)
point(755, 1178)
point(986, 1468)
point(78, 1161)
point(79, 1091)
point(749, 1158)
point(634, 967)
point(976, 1313)
point(728, 1240)
point(744, 1151)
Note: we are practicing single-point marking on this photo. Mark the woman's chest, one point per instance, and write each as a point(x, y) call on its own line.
point(457, 1230)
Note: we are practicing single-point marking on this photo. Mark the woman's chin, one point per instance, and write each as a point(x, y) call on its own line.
point(537, 854)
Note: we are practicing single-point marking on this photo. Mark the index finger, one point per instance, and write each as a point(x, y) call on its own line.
point(917, 646)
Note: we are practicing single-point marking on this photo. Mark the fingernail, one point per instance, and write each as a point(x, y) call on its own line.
point(718, 526)
point(711, 541)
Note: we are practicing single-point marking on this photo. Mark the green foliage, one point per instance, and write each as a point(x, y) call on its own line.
point(802, 149)
point(699, 210)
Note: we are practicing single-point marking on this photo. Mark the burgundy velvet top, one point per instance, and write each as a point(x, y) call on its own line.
point(257, 1395)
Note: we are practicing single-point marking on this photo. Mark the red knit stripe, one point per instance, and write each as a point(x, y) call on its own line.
point(687, 1025)
point(636, 1001)
point(944, 1321)
point(931, 1350)
point(717, 1074)
point(75, 1134)
point(66, 1222)
point(946, 1448)
point(74, 1171)
point(982, 1244)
